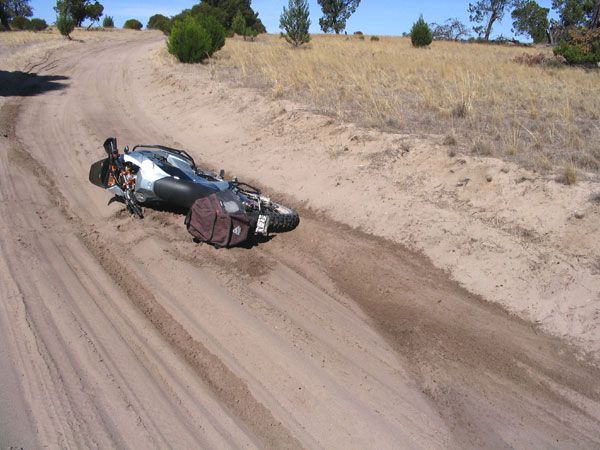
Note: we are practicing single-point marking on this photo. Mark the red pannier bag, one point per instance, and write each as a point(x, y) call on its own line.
point(218, 219)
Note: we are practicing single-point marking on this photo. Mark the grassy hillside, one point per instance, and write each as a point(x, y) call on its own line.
point(476, 94)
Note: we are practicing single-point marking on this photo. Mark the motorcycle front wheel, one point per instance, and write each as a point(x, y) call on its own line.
point(281, 218)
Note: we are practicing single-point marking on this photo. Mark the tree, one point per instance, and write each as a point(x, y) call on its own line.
point(20, 23)
point(133, 24)
point(3, 17)
point(451, 30)
point(574, 13)
point(93, 12)
point(229, 9)
point(13, 8)
point(336, 13)
point(204, 9)
point(238, 24)
point(108, 22)
point(488, 11)
point(38, 24)
point(79, 10)
point(420, 34)
point(595, 19)
point(529, 18)
point(65, 24)
point(159, 22)
point(19, 8)
point(294, 20)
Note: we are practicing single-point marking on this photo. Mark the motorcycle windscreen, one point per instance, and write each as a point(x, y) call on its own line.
point(99, 172)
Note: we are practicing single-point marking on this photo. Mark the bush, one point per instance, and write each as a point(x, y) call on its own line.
point(238, 25)
point(65, 24)
point(250, 33)
point(420, 34)
point(20, 23)
point(530, 59)
point(160, 22)
point(38, 24)
point(189, 41)
point(108, 22)
point(215, 31)
point(570, 175)
point(133, 24)
point(539, 59)
point(582, 46)
point(375, 38)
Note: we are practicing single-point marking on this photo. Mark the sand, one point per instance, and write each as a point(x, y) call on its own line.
point(405, 311)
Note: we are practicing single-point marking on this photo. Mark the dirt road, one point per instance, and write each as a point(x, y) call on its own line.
point(125, 333)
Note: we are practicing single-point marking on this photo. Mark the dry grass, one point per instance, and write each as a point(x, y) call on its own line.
point(570, 175)
point(538, 116)
point(13, 41)
point(19, 48)
point(18, 38)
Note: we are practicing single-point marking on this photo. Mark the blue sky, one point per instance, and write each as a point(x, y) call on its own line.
point(382, 17)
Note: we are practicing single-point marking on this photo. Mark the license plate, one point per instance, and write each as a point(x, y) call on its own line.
point(262, 225)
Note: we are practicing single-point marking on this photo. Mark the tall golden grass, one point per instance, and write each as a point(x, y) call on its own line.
point(540, 116)
point(14, 40)
point(17, 38)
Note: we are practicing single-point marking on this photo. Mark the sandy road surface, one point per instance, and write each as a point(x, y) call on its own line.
point(124, 333)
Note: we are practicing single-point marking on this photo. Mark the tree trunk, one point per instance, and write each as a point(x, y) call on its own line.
point(488, 29)
point(595, 22)
point(3, 17)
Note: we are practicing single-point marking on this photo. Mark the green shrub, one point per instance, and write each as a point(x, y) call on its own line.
point(582, 46)
point(108, 22)
point(295, 22)
point(65, 24)
point(160, 22)
point(189, 41)
point(420, 34)
point(38, 24)
point(20, 23)
point(215, 31)
point(238, 25)
point(250, 33)
point(133, 24)
point(575, 55)
point(375, 38)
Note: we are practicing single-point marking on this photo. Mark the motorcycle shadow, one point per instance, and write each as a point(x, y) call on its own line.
point(250, 243)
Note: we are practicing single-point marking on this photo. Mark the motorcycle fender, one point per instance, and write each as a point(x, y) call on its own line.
point(116, 190)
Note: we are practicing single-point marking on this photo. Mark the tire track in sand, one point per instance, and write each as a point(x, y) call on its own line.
point(227, 387)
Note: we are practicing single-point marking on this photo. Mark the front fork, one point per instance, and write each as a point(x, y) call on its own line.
point(259, 203)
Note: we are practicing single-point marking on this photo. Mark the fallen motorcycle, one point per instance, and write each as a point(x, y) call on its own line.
point(155, 175)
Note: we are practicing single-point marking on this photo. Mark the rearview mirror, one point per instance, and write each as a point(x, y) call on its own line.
point(110, 146)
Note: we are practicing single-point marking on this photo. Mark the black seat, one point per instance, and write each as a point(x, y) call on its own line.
point(181, 193)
